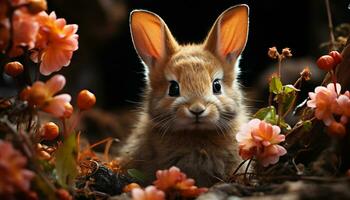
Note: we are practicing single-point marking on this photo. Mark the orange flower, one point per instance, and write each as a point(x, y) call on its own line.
point(42, 96)
point(14, 177)
point(174, 180)
point(324, 100)
point(149, 193)
point(56, 42)
point(343, 106)
point(25, 30)
point(260, 139)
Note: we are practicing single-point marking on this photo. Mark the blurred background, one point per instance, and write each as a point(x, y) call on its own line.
point(107, 64)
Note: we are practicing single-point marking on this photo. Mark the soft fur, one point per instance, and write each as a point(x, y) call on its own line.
point(167, 134)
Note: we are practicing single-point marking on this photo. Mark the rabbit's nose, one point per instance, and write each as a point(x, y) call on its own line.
point(197, 109)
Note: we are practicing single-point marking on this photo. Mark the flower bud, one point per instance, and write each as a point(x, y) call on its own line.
point(286, 52)
point(24, 94)
point(13, 68)
point(36, 6)
point(306, 74)
point(86, 100)
point(337, 129)
point(336, 56)
point(130, 187)
point(273, 53)
point(68, 110)
point(63, 194)
point(49, 131)
point(326, 62)
point(37, 96)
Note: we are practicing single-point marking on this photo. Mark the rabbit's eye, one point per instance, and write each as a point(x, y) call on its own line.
point(216, 86)
point(174, 89)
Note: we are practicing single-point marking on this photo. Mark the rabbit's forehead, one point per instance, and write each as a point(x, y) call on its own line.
point(185, 68)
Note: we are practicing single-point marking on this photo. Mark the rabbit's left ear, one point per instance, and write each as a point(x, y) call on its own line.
point(228, 36)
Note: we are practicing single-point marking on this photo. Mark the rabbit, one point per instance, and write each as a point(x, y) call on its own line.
point(193, 105)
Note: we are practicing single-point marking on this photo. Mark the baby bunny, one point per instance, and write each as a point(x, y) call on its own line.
point(193, 104)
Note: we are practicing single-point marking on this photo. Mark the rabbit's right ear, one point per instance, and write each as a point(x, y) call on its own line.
point(151, 37)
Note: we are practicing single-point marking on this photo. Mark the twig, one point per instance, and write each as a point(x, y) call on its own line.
point(330, 26)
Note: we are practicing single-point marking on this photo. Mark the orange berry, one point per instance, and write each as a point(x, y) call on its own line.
point(336, 56)
point(13, 68)
point(49, 131)
point(68, 110)
point(86, 100)
point(130, 187)
point(326, 62)
point(337, 129)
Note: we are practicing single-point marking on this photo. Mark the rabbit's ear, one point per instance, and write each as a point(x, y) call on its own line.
point(151, 37)
point(228, 36)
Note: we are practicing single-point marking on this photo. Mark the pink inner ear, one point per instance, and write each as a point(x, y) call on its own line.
point(233, 32)
point(148, 34)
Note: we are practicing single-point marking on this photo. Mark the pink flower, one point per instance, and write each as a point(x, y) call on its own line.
point(174, 180)
point(56, 42)
point(149, 193)
point(42, 96)
point(25, 30)
point(14, 176)
point(260, 139)
point(343, 107)
point(324, 100)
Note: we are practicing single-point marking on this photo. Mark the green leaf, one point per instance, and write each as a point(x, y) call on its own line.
point(66, 166)
point(136, 174)
point(289, 88)
point(285, 125)
point(268, 114)
point(275, 85)
point(307, 125)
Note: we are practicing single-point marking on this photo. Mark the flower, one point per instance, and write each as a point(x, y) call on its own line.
point(130, 187)
point(41, 95)
point(149, 193)
point(260, 139)
point(168, 178)
point(56, 42)
point(174, 180)
point(25, 30)
point(324, 100)
point(14, 176)
point(337, 129)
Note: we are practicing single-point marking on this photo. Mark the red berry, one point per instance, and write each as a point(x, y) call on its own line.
point(326, 62)
point(336, 56)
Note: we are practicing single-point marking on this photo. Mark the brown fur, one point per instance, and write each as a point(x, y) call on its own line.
point(166, 134)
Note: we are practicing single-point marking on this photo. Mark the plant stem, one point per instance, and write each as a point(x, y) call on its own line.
point(330, 26)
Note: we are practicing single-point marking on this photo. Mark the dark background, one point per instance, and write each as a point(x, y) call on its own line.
point(107, 64)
